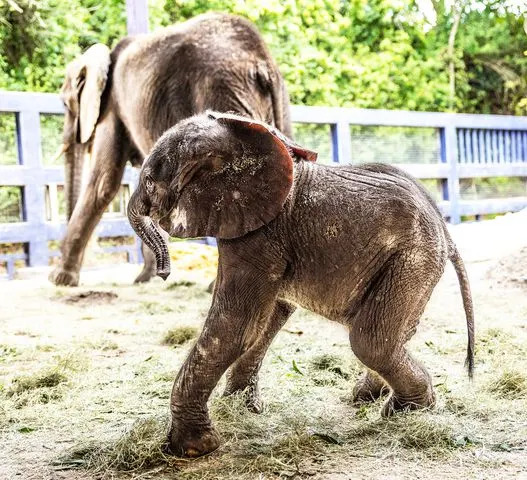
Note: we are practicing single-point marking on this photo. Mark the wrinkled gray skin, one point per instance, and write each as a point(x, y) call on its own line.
point(360, 245)
point(119, 103)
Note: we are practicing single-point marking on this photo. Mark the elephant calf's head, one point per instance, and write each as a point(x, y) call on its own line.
point(214, 174)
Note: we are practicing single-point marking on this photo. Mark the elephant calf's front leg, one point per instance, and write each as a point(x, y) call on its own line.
point(192, 433)
point(220, 344)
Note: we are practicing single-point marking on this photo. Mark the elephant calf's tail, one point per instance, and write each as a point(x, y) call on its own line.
point(461, 272)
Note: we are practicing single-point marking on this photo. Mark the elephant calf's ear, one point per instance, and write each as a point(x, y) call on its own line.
point(230, 194)
point(296, 150)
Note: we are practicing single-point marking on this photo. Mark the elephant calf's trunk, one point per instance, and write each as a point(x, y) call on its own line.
point(148, 232)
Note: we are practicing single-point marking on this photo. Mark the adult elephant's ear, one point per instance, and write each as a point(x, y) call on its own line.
point(238, 185)
point(82, 90)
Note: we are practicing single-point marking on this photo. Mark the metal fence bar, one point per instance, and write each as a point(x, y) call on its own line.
point(28, 130)
point(341, 142)
point(488, 148)
point(18, 101)
point(403, 118)
point(482, 151)
point(450, 156)
point(136, 16)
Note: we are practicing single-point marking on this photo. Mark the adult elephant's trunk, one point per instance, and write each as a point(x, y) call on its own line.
point(73, 180)
point(147, 230)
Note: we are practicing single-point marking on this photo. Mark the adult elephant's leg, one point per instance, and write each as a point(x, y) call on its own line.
point(240, 304)
point(109, 162)
point(386, 319)
point(149, 259)
point(243, 375)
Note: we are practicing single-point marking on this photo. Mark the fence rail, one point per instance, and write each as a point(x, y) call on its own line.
point(468, 146)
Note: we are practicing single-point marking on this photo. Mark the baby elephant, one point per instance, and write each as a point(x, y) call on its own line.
point(361, 245)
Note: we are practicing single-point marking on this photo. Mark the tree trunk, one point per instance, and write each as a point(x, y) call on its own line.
point(457, 10)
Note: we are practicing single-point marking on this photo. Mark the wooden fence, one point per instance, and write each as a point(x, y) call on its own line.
point(467, 146)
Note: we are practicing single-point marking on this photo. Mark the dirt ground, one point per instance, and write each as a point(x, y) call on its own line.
point(85, 377)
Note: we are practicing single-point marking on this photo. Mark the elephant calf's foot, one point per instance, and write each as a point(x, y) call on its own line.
point(192, 442)
point(68, 278)
point(368, 389)
point(395, 404)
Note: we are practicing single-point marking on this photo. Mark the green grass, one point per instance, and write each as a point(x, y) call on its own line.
point(180, 283)
point(155, 308)
point(179, 336)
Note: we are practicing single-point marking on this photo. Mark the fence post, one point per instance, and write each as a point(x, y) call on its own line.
point(136, 16)
point(341, 142)
point(449, 156)
point(28, 130)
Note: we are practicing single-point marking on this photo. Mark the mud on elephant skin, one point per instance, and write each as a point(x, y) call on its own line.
point(119, 102)
point(361, 245)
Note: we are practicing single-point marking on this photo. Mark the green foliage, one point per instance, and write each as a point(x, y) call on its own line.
point(51, 134)
point(394, 144)
point(8, 141)
point(491, 55)
point(37, 39)
point(10, 204)
point(361, 53)
point(357, 53)
point(492, 187)
point(316, 137)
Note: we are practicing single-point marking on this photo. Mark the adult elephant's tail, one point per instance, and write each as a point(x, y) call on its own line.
point(461, 272)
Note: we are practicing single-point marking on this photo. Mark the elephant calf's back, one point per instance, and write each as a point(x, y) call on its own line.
point(348, 222)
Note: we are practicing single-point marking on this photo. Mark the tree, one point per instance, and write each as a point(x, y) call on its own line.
point(362, 53)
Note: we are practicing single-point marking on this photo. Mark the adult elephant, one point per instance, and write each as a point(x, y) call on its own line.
point(119, 102)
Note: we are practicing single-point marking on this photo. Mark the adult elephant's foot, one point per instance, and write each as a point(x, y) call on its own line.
point(62, 277)
point(396, 404)
point(192, 441)
point(369, 388)
point(146, 275)
point(251, 396)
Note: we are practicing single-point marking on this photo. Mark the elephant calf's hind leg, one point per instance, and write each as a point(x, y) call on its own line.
point(369, 388)
point(385, 321)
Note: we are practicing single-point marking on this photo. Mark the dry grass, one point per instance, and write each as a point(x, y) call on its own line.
point(510, 384)
point(285, 441)
point(40, 387)
point(140, 447)
point(109, 416)
point(47, 379)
